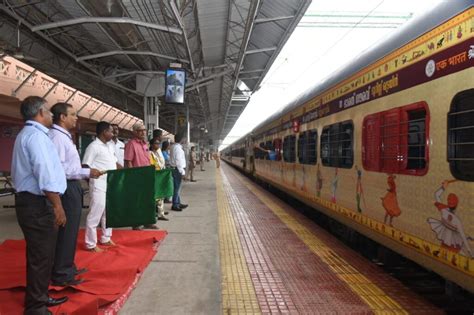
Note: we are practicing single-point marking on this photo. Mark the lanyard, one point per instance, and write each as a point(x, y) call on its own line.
point(67, 135)
point(35, 126)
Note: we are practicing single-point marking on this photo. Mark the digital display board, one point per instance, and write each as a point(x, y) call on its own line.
point(175, 80)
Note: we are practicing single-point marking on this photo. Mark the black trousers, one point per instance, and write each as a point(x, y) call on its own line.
point(64, 268)
point(35, 215)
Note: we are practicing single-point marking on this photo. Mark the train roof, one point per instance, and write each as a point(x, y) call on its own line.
point(444, 11)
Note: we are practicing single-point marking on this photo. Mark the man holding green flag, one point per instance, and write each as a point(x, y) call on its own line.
point(99, 155)
point(132, 194)
point(138, 155)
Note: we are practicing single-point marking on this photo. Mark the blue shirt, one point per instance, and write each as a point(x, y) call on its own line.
point(166, 155)
point(35, 163)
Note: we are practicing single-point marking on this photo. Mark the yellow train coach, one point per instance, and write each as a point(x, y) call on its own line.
point(386, 146)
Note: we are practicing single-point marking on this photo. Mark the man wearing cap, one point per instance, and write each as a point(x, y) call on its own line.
point(449, 229)
point(138, 155)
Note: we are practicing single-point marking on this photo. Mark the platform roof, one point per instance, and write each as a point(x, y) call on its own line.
point(100, 47)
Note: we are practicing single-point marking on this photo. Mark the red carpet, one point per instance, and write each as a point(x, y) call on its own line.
point(111, 277)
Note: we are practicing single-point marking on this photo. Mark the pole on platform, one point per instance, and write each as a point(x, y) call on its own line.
point(187, 122)
point(157, 113)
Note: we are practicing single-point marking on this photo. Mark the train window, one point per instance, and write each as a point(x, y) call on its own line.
point(241, 152)
point(289, 149)
point(461, 136)
point(302, 147)
point(268, 146)
point(394, 141)
point(337, 145)
point(307, 143)
point(277, 147)
point(311, 147)
point(259, 154)
point(416, 152)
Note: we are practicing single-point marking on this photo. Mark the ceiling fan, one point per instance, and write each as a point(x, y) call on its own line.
point(15, 52)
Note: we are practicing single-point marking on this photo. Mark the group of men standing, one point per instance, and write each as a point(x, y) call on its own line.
point(46, 171)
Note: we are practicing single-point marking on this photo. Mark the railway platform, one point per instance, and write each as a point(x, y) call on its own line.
point(237, 249)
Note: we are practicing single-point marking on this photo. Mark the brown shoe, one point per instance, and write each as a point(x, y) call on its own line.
point(151, 227)
point(109, 243)
point(96, 249)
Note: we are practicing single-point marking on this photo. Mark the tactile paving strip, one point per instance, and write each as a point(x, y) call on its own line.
point(238, 294)
point(321, 281)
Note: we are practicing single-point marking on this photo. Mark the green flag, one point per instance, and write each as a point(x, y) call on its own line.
point(131, 195)
point(163, 183)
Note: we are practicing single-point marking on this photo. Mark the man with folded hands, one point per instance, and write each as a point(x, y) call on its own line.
point(64, 121)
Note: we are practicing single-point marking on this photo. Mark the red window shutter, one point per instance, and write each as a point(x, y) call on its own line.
point(403, 153)
point(371, 143)
point(391, 151)
point(277, 147)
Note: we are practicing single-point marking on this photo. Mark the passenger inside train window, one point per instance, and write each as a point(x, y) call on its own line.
point(271, 153)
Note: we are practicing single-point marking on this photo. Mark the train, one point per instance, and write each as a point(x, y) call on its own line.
point(385, 146)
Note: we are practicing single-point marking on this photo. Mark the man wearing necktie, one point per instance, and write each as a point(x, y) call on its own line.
point(64, 121)
point(39, 183)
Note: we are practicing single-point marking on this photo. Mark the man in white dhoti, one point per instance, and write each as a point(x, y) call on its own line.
point(100, 154)
point(449, 229)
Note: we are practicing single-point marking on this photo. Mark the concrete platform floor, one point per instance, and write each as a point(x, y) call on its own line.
point(184, 276)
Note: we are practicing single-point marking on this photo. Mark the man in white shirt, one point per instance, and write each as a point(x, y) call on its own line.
point(99, 155)
point(178, 163)
point(119, 146)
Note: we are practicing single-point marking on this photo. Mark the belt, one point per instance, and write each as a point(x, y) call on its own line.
point(72, 180)
point(27, 193)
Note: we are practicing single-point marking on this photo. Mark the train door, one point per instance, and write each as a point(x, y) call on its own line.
point(249, 156)
point(277, 169)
